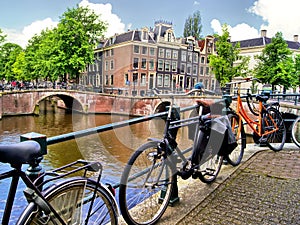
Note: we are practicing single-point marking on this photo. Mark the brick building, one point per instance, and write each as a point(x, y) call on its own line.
point(135, 62)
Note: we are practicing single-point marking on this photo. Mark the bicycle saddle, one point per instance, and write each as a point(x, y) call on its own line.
point(19, 153)
point(262, 98)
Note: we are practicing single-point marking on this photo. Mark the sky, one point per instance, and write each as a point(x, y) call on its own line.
point(21, 19)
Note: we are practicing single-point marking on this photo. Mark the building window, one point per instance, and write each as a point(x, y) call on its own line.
point(107, 53)
point(195, 68)
point(195, 57)
point(169, 36)
point(189, 69)
point(135, 78)
point(207, 71)
point(106, 66)
point(161, 53)
point(136, 63)
point(167, 80)
point(151, 64)
point(190, 56)
point(182, 68)
point(168, 53)
point(213, 84)
point(111, 64)
point(167, 66)
point(136, 49)
point(183, 56)
point(111, 79)
point(126, 79)
point(144, 63)
point(112, 52)
point(202, 60)
point(201, 70)
point(160, 65)
point(159, 80)
point(145, 35)
point(143, 79)
point(152, 51)
point(175, 54)
point(144, 50)
point(106, 79)
point(174, 66)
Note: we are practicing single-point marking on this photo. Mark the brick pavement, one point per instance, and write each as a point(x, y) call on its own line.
point(263, 190)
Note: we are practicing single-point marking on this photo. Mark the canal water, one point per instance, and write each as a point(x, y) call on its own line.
point(111, 148)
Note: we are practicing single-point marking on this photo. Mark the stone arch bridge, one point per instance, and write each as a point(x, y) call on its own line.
point(27, 102)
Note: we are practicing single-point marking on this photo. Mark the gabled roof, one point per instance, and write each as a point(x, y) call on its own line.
point(133, 35)
point(262, 41)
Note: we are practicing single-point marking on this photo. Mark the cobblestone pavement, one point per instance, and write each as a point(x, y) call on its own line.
point(263, 190)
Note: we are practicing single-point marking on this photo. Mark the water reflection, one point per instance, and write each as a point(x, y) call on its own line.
point(112, 148)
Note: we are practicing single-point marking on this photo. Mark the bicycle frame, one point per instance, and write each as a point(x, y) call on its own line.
point(33, 193)
point(255, 125)
point(16, 174)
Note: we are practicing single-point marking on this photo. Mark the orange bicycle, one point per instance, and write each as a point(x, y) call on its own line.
point(267, 126)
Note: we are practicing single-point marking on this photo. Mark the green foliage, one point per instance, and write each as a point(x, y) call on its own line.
point(193, 26)
point(297, 69)
point(64, 50)
point(9, 54)
point(275, 64)
point(227, 63)
point(78, 32)
point(2, 37)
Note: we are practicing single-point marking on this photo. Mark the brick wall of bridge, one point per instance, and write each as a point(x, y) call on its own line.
point(25, 102)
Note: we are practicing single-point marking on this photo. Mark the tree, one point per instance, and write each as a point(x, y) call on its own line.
point(2, 57)
point(297, 69)
point(78, 32)
point(275, 64)
point(227, 63)
point(9, 54)
point(193, 26)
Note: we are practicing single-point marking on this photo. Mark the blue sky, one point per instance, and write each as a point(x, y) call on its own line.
point(21, 19)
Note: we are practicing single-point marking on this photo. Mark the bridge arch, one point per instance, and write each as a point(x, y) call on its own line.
point(70, 102)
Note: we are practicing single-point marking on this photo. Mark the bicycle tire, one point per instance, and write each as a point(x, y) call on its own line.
point(296, 131)
point(236, 156)
point(71, 199)
point(209, 168)
point(275, 140)
point(146, 186)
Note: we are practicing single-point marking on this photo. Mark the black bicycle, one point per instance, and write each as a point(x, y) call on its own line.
point(148, 183)
point(57, 196)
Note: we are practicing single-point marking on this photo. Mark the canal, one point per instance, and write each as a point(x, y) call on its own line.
point(112, 148)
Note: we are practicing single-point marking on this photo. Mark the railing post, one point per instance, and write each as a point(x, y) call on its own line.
point(35, 169)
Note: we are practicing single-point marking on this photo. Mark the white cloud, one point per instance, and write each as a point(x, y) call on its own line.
point(104, 11)
point(279, 15)
point(239, 32)
point(21, 37)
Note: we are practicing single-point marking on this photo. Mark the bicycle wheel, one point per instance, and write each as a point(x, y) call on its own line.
point(72, 200)
point(236, 156)
point(296, 131)
point(271, 120)
point(210, 162)
point(146, 186)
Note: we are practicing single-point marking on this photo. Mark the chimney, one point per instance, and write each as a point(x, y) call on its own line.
point(295, 38)
point(263, 33)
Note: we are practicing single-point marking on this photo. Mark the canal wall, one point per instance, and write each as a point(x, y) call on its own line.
point(27, 102)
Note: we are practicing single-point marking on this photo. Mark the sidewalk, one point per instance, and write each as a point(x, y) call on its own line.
point(263, 189)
